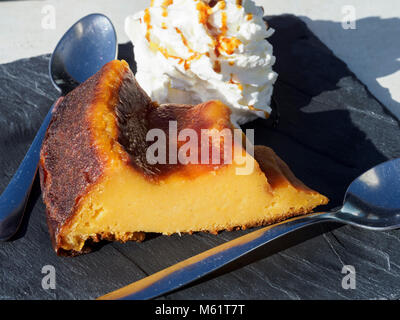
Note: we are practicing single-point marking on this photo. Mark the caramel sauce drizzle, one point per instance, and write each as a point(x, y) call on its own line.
point(224, 25)
point(164, 51)
point(195, 56)
point(229, 45)
point(204, 11)
point(220, 42)
point(147, 21)
point(165, 5)
point(184, 40)
point(236, 83)
point(266, 114)
point(217, 66)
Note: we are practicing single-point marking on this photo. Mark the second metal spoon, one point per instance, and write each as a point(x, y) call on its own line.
point(372, 201)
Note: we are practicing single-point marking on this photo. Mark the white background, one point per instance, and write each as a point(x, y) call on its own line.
point(372, 50)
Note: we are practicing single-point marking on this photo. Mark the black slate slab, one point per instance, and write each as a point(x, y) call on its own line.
point(331, 129)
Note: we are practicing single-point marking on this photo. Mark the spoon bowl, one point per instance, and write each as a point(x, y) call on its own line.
point(82, 51)
point(372, 201)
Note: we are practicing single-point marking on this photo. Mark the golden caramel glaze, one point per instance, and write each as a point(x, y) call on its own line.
point(105, 121)
point(137, 115)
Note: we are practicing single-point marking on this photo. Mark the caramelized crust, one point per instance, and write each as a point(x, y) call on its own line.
point(75, 153)
point(70, 161)
point(277, 171)
point(137, 115)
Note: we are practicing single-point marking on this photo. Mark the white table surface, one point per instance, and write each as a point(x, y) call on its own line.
point(372, 50)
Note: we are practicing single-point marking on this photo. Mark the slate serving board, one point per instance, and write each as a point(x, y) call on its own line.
point(331, 130)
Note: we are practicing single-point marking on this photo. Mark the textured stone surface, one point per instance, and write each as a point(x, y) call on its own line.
point(331, 130)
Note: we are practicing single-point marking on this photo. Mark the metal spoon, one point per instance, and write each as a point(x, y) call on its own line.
point(372, 201)
point(82, 51)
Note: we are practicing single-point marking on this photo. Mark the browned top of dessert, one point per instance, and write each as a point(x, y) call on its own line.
point(105, 119)
point(137, 116)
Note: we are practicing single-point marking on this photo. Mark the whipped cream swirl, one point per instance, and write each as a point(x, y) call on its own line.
point(192, 51)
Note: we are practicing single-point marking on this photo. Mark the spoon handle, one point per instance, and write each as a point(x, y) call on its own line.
point(14, 198)
point(202, 264)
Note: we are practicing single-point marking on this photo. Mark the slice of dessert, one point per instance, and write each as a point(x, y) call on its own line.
point(99, 182)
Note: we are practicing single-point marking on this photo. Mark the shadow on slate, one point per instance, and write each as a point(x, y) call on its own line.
point(125, 52)
point(361, 42)
point(330, 130)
